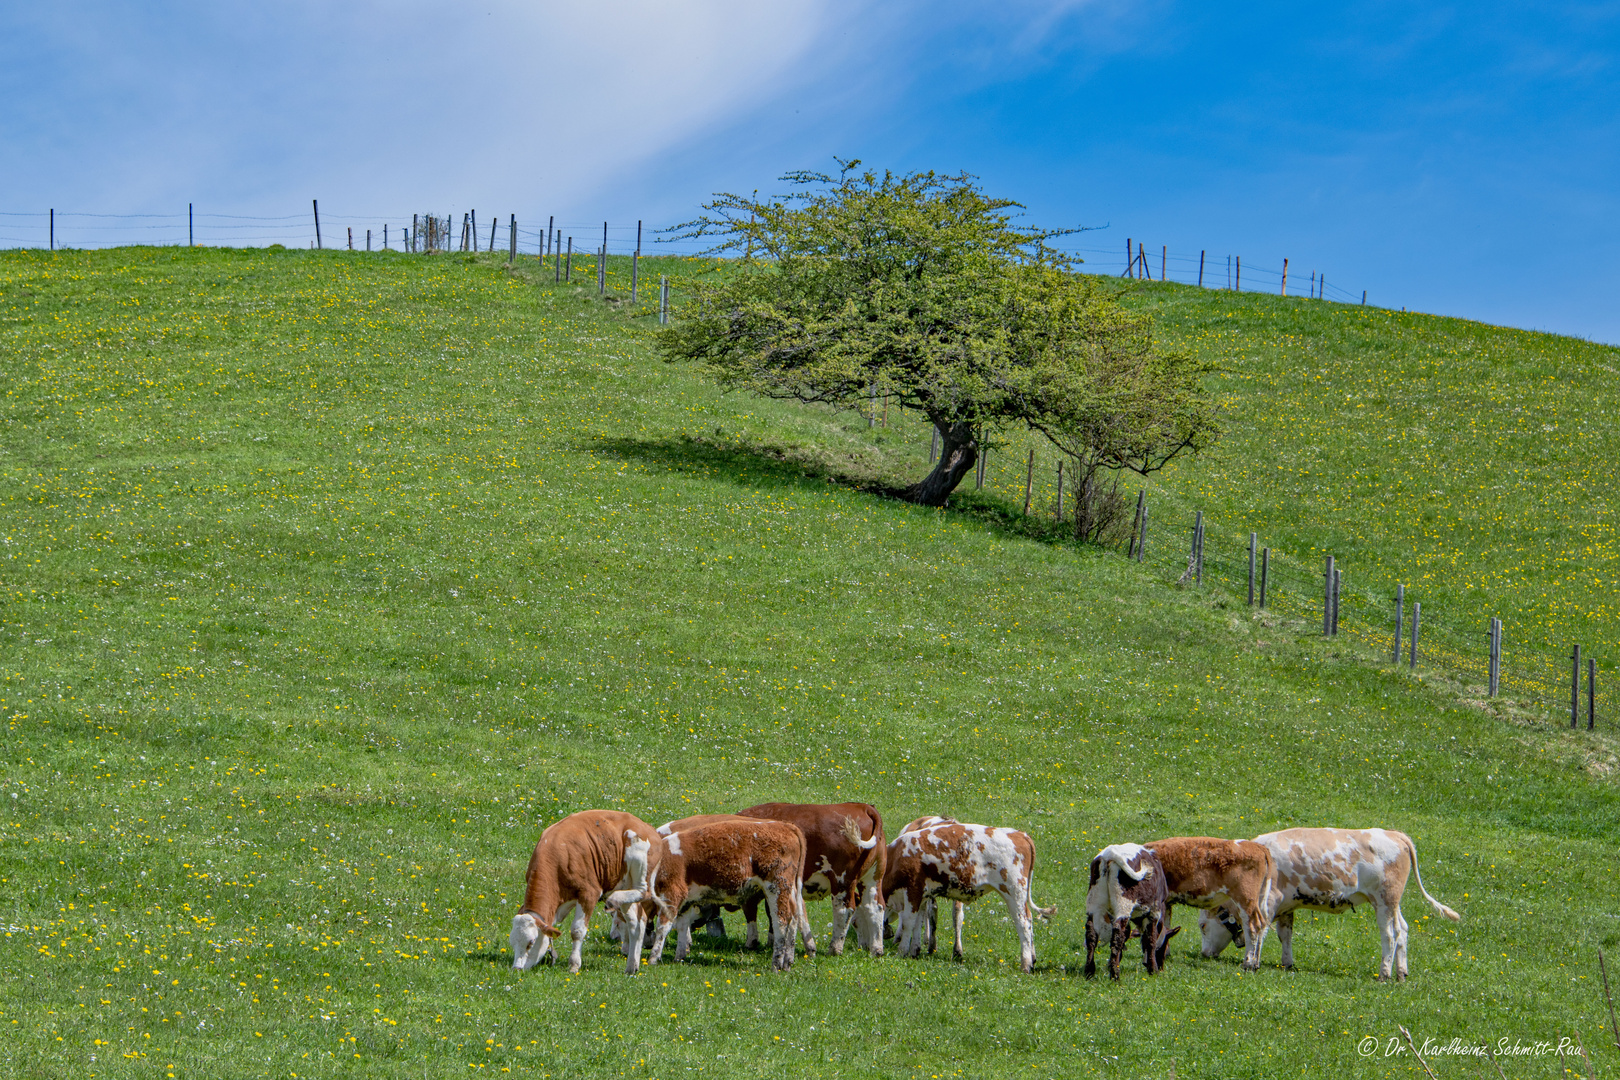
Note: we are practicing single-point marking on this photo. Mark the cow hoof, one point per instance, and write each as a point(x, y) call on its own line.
point(956, 954)
point(1288, 967)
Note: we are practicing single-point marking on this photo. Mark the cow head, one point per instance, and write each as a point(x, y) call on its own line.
point(529, 941)
point(1219, 928)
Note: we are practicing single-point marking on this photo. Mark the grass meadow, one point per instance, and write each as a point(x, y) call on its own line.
point(327, 579)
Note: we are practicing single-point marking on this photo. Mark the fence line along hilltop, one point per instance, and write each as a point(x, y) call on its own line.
point(465, 230)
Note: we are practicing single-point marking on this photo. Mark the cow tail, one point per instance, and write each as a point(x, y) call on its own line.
point(1411, 853)
point(852, 832)
point(1116, 893)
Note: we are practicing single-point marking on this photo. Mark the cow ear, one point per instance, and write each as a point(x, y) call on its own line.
point(1174, 930)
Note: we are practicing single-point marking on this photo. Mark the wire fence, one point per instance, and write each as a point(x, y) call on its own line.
point(66, 229)
point(1533, 670)
point(1136, 259)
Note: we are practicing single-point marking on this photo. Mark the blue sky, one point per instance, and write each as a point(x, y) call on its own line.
point(1461, 159)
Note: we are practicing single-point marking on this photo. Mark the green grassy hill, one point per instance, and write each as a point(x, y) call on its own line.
point(329, 578)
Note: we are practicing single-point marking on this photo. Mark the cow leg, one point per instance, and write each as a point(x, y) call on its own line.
point(1018, 907)
point(635, 934)
point(930, 926)
point(1092, 937)
point(1255, 926)
point(662, 925)
point(801, 913)
point(1116, 946)
point(1152, 939)
point(958, 909)
point(1389, 932)
point(581, 923)
point(779, 909)
point(870, 917)
point(751, 913)
point(909, 935)
point(1400, 945)
point(683, 931)
point(1285, 937)
point(843, 917)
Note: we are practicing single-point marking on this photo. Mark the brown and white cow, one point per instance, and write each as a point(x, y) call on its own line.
point(959, 861)
point(728, 859)
point(844, 856)
point(1207, 872)
point(580, 861)
point(930, 914)
point(1333, 870)
point(1127, 887)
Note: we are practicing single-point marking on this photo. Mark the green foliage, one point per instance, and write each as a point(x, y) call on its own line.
point(920, 289)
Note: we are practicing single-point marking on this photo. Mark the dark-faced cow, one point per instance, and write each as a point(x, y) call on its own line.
point(1333, 870)
point(844, 857)
point(1207, 872)
point(959, 861)
point(1126, 889)
point(580, 861)
point(726, 859)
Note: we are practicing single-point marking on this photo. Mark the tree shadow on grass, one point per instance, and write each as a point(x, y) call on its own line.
point(751, 463)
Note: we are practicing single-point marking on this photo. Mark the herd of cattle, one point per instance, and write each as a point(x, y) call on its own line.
point(685, 872)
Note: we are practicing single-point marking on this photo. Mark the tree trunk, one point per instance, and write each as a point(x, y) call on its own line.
point(958, 453)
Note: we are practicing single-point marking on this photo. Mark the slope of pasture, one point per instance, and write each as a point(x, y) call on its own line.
point(329, 578)
point(1473, 463)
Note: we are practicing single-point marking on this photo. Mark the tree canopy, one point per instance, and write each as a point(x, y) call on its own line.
point(921, 288)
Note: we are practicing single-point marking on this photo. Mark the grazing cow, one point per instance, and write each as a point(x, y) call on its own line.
point(962, 862)
point(1206, 872)
point(930, 914)
point(844, 856)
point(585, 858)
point(1333, 870)
point(1127, 886)
point(726, 859)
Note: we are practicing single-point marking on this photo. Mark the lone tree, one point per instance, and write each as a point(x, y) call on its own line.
point(921, 288)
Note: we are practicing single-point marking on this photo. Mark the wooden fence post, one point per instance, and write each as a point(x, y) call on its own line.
point(568, 272)
point(1400, 606)
point(1327, 598)
point(1321, 287)
point(1238, 281)
point(494, 220)
point(368, 239)
point(1495, 679)
point(1060, 495)
point(1194, 562)
point(1411, 650)
point(1265, 572)
point(191, 227)
point(1285, 278)
point(1029, 481)
point(473, 226)
point(663, 299)
point(316, 203)
point(635, 264)
point(410, 243)
point(1130, 258)
point(1164, 259)
point(979, 482)
point(1136, 524)
point(1575, 688)
point(511, 240)
point(1200, 269)
point(351, 238)
point(1253, 539)
point(1141, 543)
point(1338, 586)
point(1591, 693)
point(1363, 297)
